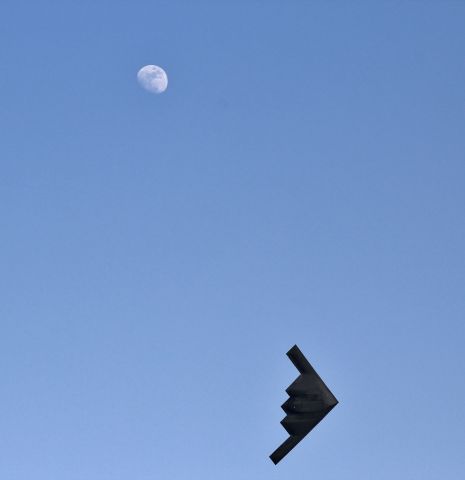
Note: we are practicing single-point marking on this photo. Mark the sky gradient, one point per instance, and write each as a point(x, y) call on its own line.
point(301, 181)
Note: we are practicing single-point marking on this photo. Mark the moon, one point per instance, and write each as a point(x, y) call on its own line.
point(153, 78)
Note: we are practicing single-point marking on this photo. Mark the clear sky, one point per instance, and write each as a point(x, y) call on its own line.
point(301, 180)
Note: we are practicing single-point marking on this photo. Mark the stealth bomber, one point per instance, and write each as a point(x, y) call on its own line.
point(310, 400)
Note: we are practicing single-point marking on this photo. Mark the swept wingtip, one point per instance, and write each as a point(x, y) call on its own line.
point(292, 349)
point(273, 459)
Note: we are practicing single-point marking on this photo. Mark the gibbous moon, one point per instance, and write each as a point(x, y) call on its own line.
point(153, 78)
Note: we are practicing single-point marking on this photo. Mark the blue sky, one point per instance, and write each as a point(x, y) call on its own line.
point(302, 180)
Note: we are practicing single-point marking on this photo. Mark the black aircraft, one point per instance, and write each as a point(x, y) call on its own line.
point(310, 400)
